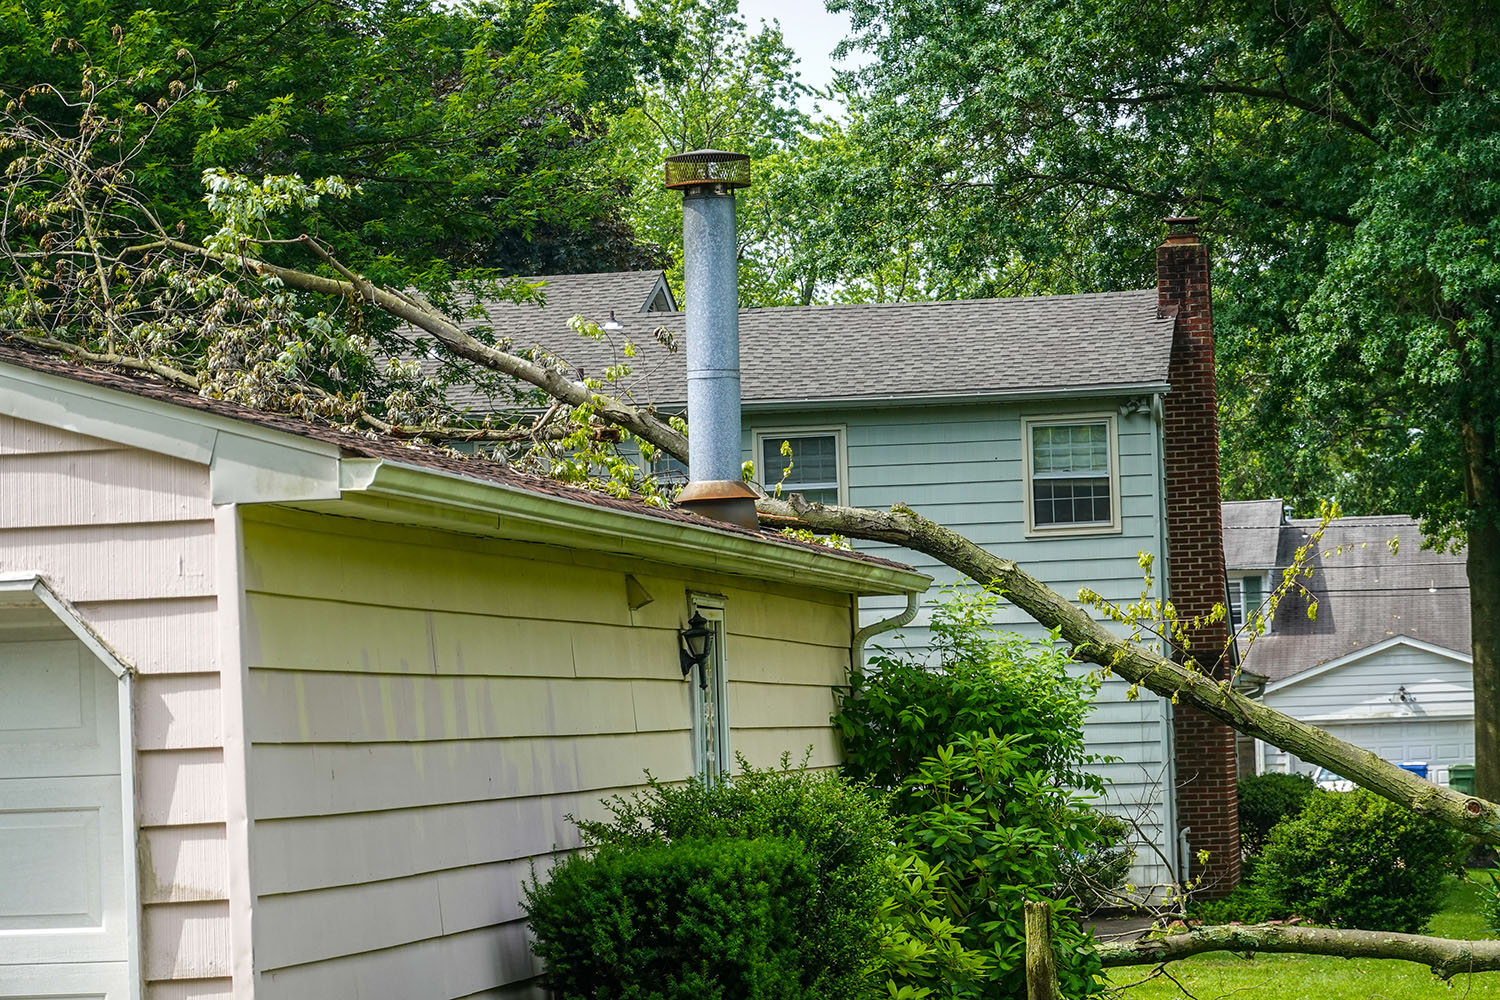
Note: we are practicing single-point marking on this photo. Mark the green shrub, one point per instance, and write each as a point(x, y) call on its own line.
point(993, 826)
point(1265, 801)
point(845, 831)
point(905, 709)
point(1352, 859)
point(692, 920)
point(1247, 904)
point(1094, 877)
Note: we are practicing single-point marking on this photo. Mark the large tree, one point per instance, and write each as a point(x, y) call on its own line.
point(1342, 154)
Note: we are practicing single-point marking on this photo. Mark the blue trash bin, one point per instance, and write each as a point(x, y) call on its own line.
point(1417, 767)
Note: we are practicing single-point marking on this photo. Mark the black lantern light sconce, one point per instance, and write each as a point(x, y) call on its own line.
point(697, 643)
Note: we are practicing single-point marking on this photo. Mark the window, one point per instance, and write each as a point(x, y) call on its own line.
point(1245, 595)
point(1072, 482)
point(711, 753)
point(667, 470)
point(815, 468)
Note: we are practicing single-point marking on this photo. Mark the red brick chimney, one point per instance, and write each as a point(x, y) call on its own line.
point(1207, 806)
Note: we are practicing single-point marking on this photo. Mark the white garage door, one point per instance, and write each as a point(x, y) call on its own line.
point(63, 929)
point(1447, 742)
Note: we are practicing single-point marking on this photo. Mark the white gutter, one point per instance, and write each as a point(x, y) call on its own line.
point(387, 490)
point(942, 398)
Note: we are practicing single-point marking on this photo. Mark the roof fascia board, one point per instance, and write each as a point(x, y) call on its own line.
point(659, 287)
point(247, 463)
point(33, 589)
point(1369, 719)
point(506, 511)
point(1360, 654)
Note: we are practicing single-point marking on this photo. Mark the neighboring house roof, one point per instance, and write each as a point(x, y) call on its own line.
point(403, 459)
point(1349, 659)
point(868, 353)
point(1366, 594)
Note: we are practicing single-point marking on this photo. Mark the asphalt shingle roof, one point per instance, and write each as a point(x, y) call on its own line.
point(871, 352)
point(1365, 593)
point(367, 446)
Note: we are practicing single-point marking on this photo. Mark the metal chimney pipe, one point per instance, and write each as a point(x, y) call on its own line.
point(708, 179)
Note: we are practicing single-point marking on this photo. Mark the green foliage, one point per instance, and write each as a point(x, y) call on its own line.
point(1353, 859)
point(722, 919)
point(845, 832)
point(1246, 904)
point(1267, 800)
point(1094, 877)
point(904, 711)
point(922, 949)
point(993, 823)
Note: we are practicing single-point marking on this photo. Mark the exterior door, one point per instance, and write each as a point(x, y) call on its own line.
point(63, 913)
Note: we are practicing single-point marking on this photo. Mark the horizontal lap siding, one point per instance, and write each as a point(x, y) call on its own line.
point(127, 537)
point(962, 467)
point(426, 712)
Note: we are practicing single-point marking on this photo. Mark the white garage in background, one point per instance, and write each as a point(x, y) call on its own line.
point(67, 898)
point(1405, 699)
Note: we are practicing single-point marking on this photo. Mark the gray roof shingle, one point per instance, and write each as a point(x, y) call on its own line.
point(871, 353)
point(1365, 593)
point(1252, 532)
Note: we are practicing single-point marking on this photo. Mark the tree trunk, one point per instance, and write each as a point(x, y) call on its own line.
point(1041, 961)
point(1483, 564)
point(1446, 957)
point(1093, 642)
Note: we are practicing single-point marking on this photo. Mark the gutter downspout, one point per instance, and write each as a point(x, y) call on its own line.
point(870, 631)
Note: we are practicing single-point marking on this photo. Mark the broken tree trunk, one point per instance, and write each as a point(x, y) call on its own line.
point(1446, 958)
point(1091, 641)
point(1041, 961)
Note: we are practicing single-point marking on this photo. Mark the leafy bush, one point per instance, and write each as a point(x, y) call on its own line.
point(845, 831)
point(1247, 904)
point(1352, 859)
point(904, 710)
point(993, 826)
point(1094, 877)
point(691, 920)
point(922, 951)
point(1265, 801)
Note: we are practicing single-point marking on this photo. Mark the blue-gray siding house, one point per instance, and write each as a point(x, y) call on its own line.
point(1036, 427)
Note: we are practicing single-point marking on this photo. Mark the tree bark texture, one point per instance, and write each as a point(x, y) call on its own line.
point(1041, 961)
point(1094, 643)
point(1482, 492)
point(1446, 957)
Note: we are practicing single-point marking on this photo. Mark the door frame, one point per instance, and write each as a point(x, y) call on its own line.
point(29, 589)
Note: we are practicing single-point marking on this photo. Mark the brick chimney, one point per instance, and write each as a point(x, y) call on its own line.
point(1207, 806)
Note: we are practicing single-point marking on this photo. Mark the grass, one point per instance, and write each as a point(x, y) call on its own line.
point(1310, 977)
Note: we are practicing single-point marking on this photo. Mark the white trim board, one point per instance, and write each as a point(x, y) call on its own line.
point(1360, 654)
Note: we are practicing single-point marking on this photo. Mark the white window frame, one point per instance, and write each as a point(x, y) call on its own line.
point(838, 433)
point(1239, 601)
point(1112, 429)
point(711, 607)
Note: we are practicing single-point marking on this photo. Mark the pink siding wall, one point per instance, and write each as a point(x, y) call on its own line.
point(127, 537)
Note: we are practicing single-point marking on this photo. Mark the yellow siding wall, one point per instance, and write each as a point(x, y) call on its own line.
point(127, 537)
point(426, 710)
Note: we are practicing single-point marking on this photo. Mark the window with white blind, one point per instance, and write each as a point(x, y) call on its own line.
point(1072, 475)
point(814, 467)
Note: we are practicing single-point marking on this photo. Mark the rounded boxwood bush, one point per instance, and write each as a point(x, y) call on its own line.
point(720, 919)
point(1352, 859)
point(1267, 800)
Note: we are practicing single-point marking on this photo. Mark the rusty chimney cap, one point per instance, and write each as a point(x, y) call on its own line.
point(1182, 228)
point(708, 166)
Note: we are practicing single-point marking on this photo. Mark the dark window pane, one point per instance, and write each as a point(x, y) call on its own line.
point(814, 461)
point(1070, 501)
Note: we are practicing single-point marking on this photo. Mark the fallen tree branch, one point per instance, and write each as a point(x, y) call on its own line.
point(1445, 956)
point(1093, 642)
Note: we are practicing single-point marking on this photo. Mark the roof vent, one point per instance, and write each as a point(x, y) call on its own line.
point(712, 167)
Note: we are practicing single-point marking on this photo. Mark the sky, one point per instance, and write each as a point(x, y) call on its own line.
point(809, 29)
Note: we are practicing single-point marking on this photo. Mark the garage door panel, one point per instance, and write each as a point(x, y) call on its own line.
point(64, 835)
point(39, 732)
point(91, 981)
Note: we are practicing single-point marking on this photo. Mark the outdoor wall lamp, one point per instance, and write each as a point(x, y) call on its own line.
point(697, 643)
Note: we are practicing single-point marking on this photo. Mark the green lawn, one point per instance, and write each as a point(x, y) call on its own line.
point(1306, 977)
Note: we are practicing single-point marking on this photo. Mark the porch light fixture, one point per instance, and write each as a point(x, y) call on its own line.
point(612, 325)
point(697, 643)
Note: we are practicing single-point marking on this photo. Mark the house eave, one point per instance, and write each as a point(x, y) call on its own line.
point(386, 490)
point(751, 405)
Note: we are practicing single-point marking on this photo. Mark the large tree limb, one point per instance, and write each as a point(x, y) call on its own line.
point(640, 422)
point(1446, 957)
point(1093, 642)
